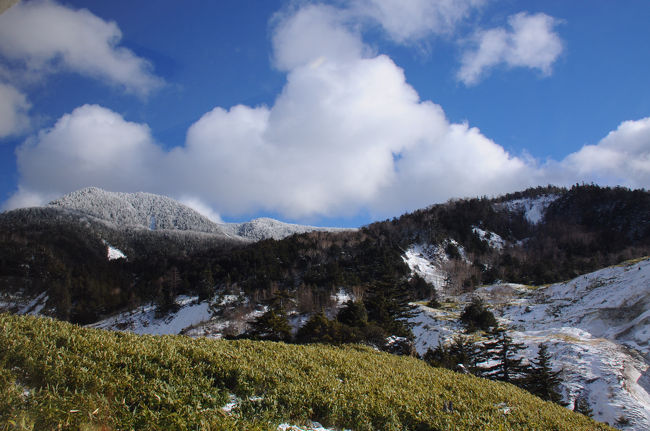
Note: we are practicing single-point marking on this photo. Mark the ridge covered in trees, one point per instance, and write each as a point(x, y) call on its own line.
point(585, 228)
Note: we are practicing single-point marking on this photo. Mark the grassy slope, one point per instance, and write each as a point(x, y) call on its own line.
point(54, 373)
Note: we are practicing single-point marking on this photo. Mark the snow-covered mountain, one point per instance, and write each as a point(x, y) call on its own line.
point(156, 212)
point(143, 210)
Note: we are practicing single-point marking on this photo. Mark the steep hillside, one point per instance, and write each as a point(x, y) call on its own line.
point(53, 374)
point(595, 326)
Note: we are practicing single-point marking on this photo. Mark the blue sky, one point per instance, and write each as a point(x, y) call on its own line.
point(336, 112)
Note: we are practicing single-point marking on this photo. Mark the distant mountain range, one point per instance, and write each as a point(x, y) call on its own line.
point(156, 212)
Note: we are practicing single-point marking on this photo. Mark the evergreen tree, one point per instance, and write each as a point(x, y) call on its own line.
point(541, 380)
point(476, 316)
point(61, 297)
point(388, 307)
point(353, 314)
point(461, 351)
point(206, 284)
point(502, 353)
point(581, 405)
point(272, 325)
point(318, 329)
point(167, 291)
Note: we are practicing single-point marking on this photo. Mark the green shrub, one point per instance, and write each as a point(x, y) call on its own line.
point(55, 375)
point(476, 316)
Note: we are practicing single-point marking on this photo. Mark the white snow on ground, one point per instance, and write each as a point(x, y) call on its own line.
point(143, 319)
point(35, 306)
point(341, 296)
point(596, 327)
point(231, 408)
point(425, 261)
point(314, 426)
point(19, 303)
point(495, 241)
point(114, 253)
point(533, 208)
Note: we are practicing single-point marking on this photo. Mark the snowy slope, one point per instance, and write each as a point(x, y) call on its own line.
point(155, 212)
point(426, 261)
point(143, 320)
point(266, 228)
point(596, 327)
point(144, 210)
point(533, 208)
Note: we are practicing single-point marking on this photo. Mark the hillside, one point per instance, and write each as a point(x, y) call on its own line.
point(595, 326)
point(538, 236)
point(144, 210)
point(55, 374)
point(156, 212)
point(69, 265)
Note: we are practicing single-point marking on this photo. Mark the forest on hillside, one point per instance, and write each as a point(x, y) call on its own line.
point(585, 228)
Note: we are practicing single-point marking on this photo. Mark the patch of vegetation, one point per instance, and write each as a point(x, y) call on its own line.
point(54, 375)
point(476, 316)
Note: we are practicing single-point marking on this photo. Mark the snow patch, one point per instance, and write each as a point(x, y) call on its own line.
point(114, 253)
point(425, 261)
point(143, 320)
point(494, 241)
point(35, 306)
point(533, 208)
point(341, 297)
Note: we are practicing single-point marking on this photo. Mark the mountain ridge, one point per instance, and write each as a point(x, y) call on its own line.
point(158, 212)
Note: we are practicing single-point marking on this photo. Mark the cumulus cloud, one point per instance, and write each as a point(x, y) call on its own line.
point(346, 134)
point(409, 21)
point(346, 130)
point(199, 206)
point(621, 158)
point(90, 146)
point(13, 111)
point(530, 42)
point(45, 36)
point(315, 32)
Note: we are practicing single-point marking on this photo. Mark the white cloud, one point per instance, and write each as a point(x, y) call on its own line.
point(346, 134)
point(25, 198)
point(45, 36)
point(13, 111)
point(326, 147)
point(409, 21)
point(90, 146)
point(199, 206)
point(621, 158)
point(314, 33)
point(531, 42)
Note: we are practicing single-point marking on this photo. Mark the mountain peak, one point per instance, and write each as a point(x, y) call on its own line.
point(145, 210)
point(156, 212)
